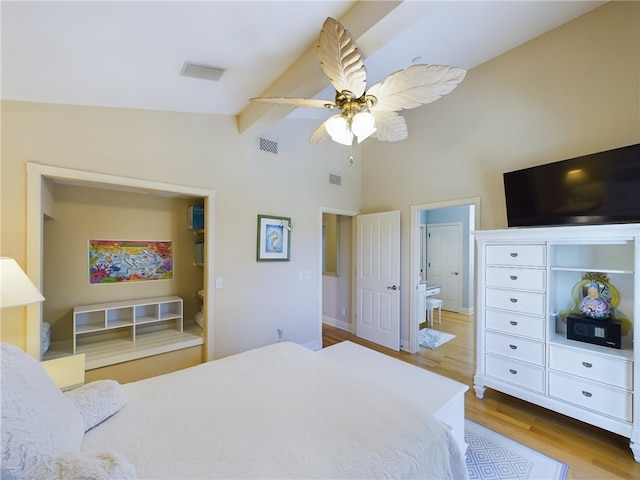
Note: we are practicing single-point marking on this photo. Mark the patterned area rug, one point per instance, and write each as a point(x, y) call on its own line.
point(493, 456)
point(433, 338)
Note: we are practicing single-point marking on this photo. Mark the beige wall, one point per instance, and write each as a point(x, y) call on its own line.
point(203, 151)
point(570, 92)
point(330, 227)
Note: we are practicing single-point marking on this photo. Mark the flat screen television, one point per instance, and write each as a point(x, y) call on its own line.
point(599, 188)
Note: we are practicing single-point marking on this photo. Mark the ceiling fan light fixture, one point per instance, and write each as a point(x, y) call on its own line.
point(367, 134)
point(345, 138)
point(338, 128)
point(363, 125)
point(368, 113)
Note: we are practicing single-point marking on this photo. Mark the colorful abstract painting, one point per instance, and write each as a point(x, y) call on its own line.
point(114, 261)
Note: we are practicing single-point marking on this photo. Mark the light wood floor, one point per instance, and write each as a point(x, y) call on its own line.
point(590, 452)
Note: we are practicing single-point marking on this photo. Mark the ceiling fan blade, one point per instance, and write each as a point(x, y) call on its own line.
point(340, 58)
point(320, 133)
point(415, 86)
point(391, 126)
point(295, 102)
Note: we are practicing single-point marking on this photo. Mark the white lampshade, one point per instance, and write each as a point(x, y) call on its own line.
point(15, 287)
point(362, 125)
point(338, 130)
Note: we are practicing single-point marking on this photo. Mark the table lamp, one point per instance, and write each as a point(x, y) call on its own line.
point(15, 287)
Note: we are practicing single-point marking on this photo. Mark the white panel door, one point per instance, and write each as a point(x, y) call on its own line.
point(444, 260)
point(378, 278)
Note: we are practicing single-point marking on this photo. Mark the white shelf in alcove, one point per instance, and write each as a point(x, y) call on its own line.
point(590, 269)
point(116, 332)
point(115, 351)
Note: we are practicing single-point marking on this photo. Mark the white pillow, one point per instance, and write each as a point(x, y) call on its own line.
point(37, 419)
point(97, 401)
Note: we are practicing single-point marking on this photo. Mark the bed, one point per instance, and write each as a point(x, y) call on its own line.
point(280, 411)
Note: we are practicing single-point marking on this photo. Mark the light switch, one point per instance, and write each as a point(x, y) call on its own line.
point(219, 282)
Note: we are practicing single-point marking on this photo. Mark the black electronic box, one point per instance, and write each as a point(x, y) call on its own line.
point(606, 332)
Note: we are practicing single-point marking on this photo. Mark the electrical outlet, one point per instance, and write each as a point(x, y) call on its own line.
point(279, 334)
point(343, 311)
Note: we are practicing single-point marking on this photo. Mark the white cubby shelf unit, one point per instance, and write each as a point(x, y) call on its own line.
point(116, 332)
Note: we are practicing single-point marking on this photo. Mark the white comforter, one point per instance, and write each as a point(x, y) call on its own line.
point(276, 412)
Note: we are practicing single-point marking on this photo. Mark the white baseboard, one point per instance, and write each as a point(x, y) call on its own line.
point(342, 325)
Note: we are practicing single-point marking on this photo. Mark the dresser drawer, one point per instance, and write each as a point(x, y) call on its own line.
point(526, 376)
point(520, 278)
point(516, 324)
point(529, 351)
point(516, 301)
point(599, 398)
point(521, 255)
point(612, 371)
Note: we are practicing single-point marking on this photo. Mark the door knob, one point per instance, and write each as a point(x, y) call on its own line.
point(393, 287)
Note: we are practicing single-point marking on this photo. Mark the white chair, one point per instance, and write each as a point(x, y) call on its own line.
point(431, 304)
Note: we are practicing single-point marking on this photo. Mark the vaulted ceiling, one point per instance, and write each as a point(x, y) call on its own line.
point(130, 54)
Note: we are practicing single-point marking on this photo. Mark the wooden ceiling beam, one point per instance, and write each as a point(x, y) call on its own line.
point(305, 77)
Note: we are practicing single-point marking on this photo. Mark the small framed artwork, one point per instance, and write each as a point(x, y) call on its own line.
point(274, 238)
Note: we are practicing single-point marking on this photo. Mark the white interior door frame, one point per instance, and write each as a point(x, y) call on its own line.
point(414, 256)
point(352, 294)
point(36, 193)
point(423, 251)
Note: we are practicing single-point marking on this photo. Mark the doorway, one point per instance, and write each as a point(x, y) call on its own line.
point(465, 211)
point(39, 204)
point(337, 288)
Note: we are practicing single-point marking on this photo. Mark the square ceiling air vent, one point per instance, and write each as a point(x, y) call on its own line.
point(267, 145)
point(202, 71)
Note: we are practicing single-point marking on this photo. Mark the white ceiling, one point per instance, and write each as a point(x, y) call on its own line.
point(129, 54)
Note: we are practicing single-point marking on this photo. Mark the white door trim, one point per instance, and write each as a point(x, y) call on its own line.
point(38, 173)
point(414, 256)
point(346, 213)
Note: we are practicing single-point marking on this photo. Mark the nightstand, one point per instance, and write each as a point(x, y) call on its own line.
point(67, 372)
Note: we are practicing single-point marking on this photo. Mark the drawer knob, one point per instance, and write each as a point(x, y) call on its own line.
point(513, 347)
point(514, 300)
point(515, 372)
point(513, 277)
point(586, 394)
point(514, 254)
point(513, 322)
point(587, 364)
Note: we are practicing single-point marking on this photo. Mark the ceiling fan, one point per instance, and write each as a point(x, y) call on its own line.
point(371, 113)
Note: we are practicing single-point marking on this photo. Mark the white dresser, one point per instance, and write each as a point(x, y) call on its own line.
point(525, 281)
